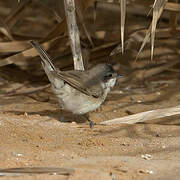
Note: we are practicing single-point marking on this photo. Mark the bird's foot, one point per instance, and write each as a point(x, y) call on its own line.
point(91, 124)
point(62, 119)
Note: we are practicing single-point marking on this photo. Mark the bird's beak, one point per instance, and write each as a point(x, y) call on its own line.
point(115, 75)
point(119, 76)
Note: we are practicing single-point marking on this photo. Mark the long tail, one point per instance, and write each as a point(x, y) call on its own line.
point(46, 60)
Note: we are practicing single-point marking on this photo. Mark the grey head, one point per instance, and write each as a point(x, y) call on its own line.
point(105, 73)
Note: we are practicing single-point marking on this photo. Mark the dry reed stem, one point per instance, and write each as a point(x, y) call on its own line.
point(73, 34)
point(123, 16)
point(145, 116)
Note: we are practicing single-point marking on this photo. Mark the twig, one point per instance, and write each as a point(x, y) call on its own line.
point(12, 18)
point(36, 170)
point(28, 91)
point(145, 116)
point(27, 53)
point(73, 34)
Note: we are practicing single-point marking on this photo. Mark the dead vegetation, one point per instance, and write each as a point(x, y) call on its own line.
point(95, 45)
point(140, 38)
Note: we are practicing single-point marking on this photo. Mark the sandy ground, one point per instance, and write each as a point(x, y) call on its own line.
point(31, 135)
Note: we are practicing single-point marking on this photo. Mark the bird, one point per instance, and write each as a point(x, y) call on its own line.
point(78, 91)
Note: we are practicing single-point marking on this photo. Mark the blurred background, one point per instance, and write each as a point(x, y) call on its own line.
point(99, 25)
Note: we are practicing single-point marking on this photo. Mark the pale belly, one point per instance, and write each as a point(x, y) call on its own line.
point(76, 102)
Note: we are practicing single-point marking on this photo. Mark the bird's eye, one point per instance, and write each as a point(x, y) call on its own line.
point(108, 76)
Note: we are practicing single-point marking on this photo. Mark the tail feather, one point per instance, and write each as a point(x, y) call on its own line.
point(46, 60)
point(48, 66)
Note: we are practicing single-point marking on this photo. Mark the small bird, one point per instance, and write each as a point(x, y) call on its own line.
point(78, 92)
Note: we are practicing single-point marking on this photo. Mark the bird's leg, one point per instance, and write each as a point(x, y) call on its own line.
point(61, 119)
point(91, 123)
point(64, 118)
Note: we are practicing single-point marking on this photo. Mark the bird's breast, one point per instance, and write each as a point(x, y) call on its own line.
point(76, 101)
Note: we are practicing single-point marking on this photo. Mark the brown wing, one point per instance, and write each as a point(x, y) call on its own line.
point(81, 81)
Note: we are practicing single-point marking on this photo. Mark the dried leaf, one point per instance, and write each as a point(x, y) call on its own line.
point(5, 30)
point(149, 31)
point(15, 46)
point(157, 10)
point(172, 7)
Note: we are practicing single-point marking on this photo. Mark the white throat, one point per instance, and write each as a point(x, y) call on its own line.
point(110, 83)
